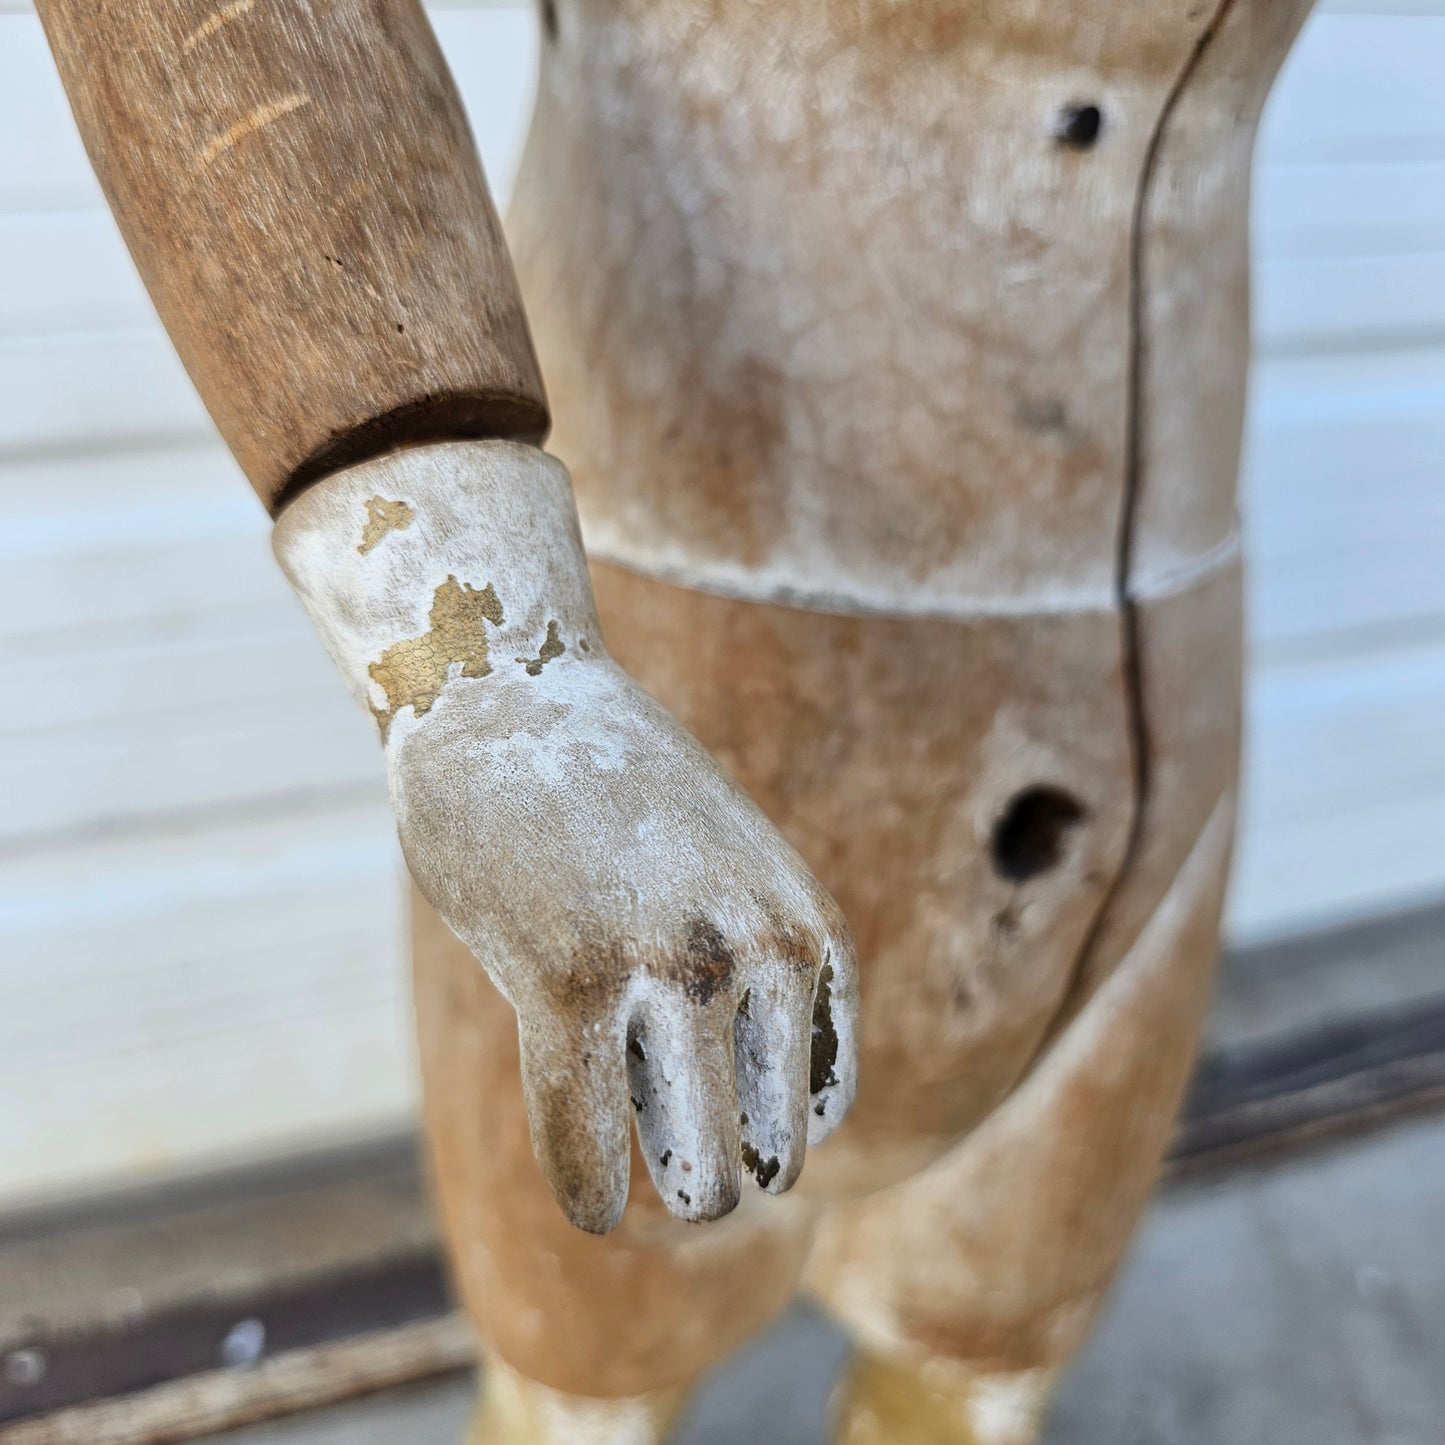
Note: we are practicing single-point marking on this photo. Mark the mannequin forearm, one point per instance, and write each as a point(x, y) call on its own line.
point(301, 195)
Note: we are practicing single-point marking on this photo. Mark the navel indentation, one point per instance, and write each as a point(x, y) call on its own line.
point(1031, 835)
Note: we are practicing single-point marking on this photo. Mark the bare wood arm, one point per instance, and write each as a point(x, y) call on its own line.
point(300, 191)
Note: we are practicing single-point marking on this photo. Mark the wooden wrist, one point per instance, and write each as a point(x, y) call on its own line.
point(455, 560)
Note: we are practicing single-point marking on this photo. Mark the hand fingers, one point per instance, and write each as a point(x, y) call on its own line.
point(576, 1088)
point(833, 1067)
point(774, 1038)
point(680, 1070)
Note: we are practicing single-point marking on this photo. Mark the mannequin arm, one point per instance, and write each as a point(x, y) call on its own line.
point(299, 190)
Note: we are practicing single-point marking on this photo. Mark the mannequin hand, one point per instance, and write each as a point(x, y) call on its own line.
point(657, 936)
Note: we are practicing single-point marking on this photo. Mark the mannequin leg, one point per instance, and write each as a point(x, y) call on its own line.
point(585, 1340)
point(520, 1411)
point(969, 1287)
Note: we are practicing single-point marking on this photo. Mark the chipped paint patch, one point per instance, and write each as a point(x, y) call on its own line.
point(382, 517)
point(552, 647)
point(413, 673)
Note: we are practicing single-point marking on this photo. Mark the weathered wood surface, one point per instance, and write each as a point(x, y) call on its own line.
point(302, 197)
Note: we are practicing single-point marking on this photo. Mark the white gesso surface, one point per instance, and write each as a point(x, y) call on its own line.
point(200, 900)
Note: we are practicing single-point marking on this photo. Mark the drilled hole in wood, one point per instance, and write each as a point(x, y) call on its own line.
point(1031, 836)
point(1079, 126)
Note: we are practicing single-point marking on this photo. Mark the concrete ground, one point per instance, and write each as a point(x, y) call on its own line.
point(1299, 1304)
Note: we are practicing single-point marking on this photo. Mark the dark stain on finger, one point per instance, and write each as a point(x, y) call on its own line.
point(707, 963)
point(595, 977)
point(763, 1170)
point(822, 1070)
point(785, 940)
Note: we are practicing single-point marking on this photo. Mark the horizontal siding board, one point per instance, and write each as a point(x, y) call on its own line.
point(200, 995)
point(112, 388)
point(1330, 738)
point(108, 776)
point(1344, 511)
point(1348, 210)
point(42, 163)
point(317, 1081)
point(1343, 304)
point(68, 271)
point(1360, 88)
point(1307, 876)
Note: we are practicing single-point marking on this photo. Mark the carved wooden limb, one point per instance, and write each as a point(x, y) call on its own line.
point(300, 191)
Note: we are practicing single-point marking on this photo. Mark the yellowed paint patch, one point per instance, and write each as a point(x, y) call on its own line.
point(413, 673)
point(382, 517)
point(552, 646)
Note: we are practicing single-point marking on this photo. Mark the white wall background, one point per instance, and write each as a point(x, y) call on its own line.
point(200, 925)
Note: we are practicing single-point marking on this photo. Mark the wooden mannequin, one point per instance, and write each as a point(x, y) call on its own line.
point(897, 348)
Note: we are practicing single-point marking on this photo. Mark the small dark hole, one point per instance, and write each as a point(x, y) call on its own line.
point(549, 19)
point(400, 328)
point(1030, 837)
point(1079, 126)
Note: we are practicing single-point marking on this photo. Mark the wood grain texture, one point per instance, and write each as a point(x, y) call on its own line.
point(300, 192)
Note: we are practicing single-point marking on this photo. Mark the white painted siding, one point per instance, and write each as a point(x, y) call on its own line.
point(200, 931)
